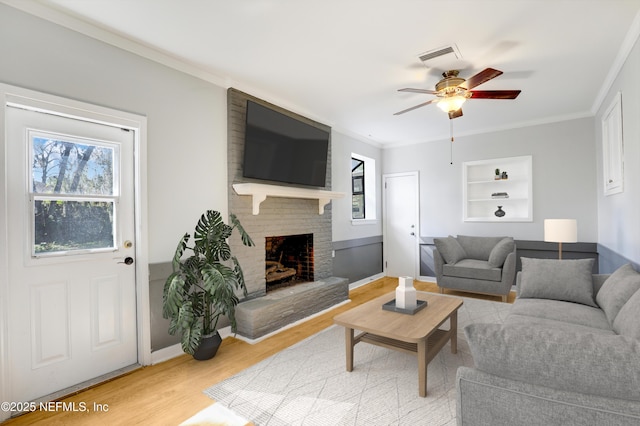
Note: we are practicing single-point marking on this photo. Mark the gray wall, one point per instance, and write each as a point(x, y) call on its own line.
point(357, 246)
point(358, 259)
point(618, 224)
point(564, 178)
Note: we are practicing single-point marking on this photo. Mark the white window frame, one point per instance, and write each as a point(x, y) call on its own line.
point(113, 198)
point(369, 190)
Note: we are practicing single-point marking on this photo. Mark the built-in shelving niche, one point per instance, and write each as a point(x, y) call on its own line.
point(482, 189)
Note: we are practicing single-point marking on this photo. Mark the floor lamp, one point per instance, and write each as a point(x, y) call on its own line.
point(560, 231)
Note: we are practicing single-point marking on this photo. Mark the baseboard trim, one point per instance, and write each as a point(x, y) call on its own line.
point(367, 280)
point(166, 354)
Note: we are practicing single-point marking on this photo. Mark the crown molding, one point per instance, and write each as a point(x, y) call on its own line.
point(623, 53)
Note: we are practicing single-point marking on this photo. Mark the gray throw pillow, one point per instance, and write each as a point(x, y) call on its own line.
point(568, 280)
point(627, 322)
point(478, 247)
point(617, 290)
point(559, 359)
point(500, 252)
point(450, 249)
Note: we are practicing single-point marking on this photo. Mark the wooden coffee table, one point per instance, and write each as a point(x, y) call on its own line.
point(418, 333)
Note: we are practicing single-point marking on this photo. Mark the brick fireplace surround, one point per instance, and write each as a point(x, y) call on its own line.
point(262, 313)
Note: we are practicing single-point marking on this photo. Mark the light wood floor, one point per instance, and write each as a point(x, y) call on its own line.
point(171, 392)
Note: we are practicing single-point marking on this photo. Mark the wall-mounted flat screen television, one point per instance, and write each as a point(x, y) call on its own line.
point(282, 149)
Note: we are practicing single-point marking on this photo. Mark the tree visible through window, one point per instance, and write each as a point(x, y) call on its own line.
point(72, 191)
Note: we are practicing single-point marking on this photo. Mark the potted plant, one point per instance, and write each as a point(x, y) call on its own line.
point(203, 286)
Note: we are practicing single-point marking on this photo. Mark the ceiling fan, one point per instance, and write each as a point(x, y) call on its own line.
point(452, 91)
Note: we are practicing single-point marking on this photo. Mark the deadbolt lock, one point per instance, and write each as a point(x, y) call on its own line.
point(128, 244)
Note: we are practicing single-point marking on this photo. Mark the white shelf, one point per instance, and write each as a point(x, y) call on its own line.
point(259, 192)
point(497, 200)
point(479, 183)
point(497, 181)
point(496, 219)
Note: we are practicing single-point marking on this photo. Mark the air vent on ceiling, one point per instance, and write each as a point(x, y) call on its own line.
point(442, 51)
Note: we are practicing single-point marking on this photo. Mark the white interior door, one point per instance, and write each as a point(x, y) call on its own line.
point(401, 224)
point(71, 282)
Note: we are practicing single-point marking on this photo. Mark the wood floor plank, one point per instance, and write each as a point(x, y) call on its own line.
point(170, 392)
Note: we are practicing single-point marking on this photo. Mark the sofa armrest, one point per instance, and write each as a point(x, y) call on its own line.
point(598, 280)
point(438, 262)
point(509, 269)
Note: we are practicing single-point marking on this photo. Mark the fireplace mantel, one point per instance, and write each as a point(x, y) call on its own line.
point(259, 192)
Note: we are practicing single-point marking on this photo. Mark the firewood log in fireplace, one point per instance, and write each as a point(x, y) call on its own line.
point(276, 271)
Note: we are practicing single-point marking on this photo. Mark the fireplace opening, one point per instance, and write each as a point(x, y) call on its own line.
point(288, 260)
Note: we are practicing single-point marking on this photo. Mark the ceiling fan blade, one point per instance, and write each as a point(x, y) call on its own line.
point(455, 114)
point(481, 77)
point(494, 94)
point(429, 92)
point(414, 107)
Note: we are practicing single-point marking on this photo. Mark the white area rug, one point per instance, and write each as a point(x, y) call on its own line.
point(307, 383)
point(215, 415)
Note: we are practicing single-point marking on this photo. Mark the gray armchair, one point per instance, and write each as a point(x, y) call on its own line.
point(485, 265)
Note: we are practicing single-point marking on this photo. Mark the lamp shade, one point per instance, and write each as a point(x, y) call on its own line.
point(561, 230)
point(451, 103)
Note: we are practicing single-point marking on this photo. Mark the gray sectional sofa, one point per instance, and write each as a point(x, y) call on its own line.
point(485, 265)
point(567, 354)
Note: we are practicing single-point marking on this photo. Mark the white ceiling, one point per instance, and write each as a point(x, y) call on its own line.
point(341, 62)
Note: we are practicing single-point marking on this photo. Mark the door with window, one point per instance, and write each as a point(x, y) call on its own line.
point(71, 291)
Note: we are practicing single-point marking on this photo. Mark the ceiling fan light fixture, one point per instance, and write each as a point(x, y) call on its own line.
point(451, 103)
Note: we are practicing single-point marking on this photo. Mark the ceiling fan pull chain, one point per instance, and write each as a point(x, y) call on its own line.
point(451, 145)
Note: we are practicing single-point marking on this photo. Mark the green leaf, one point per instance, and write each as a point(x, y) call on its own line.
point(182, 245)
point(191, 338)
point(173, 295)
point(246, 239)
point(186, 316)
point(237, 270)
point(213, 279)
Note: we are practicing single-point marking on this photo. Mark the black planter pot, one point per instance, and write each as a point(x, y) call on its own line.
point(208, 347)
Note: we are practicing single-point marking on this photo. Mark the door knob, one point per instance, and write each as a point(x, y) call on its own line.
point(127, 260)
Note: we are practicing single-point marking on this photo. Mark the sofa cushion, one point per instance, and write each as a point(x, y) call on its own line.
point(627, 322)
point(531, 321)
point(500, 252)
point(559, 359)
point(568, 280)
point(617, 290)
point(570, 313)
point(472, 268)
point(450, 249)
point(478, 247)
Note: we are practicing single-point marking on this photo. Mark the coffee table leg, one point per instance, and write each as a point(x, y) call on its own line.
point(422, 368)
point(453, 323)
point(348, 334)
